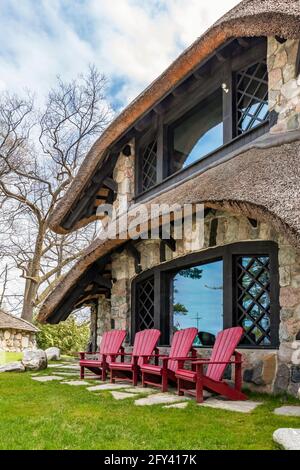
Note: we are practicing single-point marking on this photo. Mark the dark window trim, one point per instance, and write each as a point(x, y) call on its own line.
point(208, 161)
point(223, 73)
point(165, 271)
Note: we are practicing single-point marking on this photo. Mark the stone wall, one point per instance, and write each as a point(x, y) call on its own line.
point(264, 370)
point(284, 84)
point(16, 340)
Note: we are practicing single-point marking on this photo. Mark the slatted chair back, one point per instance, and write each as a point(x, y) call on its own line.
point(224, 347)
point(144, 343)
point(111, 342)
point(182, 343)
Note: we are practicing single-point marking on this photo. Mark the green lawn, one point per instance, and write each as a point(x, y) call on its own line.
point(6, 357)
point(56, 416)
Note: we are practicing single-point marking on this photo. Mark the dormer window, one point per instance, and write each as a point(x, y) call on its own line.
point(198, 133)
point(223, 105)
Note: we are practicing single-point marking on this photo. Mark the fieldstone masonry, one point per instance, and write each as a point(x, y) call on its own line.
point(284, 84)
point(265, 370)
point(16, 341)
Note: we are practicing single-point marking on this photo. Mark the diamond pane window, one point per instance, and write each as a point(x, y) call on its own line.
point(253, 299)
point(251, 97)
point(145, 304)
point(149, 163)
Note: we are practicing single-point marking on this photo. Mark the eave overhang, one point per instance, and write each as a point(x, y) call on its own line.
point(250, 18)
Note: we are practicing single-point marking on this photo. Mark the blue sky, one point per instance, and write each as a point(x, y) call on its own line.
point(130, 41)
point(203, 298)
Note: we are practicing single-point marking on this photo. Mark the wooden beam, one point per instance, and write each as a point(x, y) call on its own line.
point(103, 281)
point(111, 184)
point(144, 122)
point(220, 57)
point(85, 206)
point(164, 105)
point(243, 42)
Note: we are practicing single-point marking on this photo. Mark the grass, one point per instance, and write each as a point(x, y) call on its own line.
point(6, 357)
point(56, 416)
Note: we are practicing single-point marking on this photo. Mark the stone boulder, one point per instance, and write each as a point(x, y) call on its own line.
point(288, 438)
point(35, 360)
point(12, 367)
point(53, 354)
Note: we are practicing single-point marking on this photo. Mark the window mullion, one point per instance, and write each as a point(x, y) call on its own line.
point(160, 171)
point(228, 108)
point(228, 285)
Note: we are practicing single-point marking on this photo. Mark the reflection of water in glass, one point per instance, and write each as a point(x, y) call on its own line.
point(201, 296)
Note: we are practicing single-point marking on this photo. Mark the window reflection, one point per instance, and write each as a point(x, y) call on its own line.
point(198, 301)
point(198, 133)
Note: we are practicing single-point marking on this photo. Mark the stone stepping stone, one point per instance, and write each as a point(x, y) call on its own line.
point(159, 399)
point(75, 383)
point(55, 366)
point(99, 388)
point(69, 367)
point(121, 395)
point(177, 405)
point(47, 378)
point(288, 438)
point(66, 374)
point(238, 406)
point(140, 390)
point(288, 411)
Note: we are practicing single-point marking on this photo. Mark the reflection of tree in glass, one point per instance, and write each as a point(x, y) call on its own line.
point(191, 273)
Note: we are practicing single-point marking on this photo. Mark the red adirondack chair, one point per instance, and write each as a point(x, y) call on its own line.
point(181, 346)
point(212, 379)
point(144, 344)
point(111, 343)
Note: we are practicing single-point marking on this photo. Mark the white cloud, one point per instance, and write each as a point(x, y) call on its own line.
point(131, 41)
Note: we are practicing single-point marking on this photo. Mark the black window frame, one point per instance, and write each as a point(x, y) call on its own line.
point(224, 72)
point(164, 273)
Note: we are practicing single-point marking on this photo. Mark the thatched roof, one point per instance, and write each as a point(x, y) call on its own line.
point(10, 322)
point(261, 182)
point(249, 18)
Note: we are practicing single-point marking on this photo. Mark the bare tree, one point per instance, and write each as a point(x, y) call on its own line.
point(40, 152)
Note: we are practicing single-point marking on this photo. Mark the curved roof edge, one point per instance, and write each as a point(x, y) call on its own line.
point(248, 18)
point(268, 190)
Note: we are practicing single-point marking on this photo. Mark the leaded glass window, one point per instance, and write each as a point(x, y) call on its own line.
point(253, 299)
point(145, 304)
point(149, 165)
point(251, 97)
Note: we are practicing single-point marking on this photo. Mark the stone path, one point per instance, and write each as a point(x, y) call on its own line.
point(47, 378)
point(177, 405)
point(75, 383)
point(239, 406)
point(288, 411)
point(121, 391)
point(106, 386)
point(140, 390)
point(68, 367)
point(122, 395)
point(288, 438)
point(159, 399)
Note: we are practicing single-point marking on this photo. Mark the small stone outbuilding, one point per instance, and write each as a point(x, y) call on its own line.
point(16, 334)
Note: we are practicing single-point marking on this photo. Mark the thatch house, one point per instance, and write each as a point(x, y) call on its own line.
point(16, 334)
point(220, 127)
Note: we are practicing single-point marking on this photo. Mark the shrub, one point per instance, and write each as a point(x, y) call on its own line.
point(68, 336)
